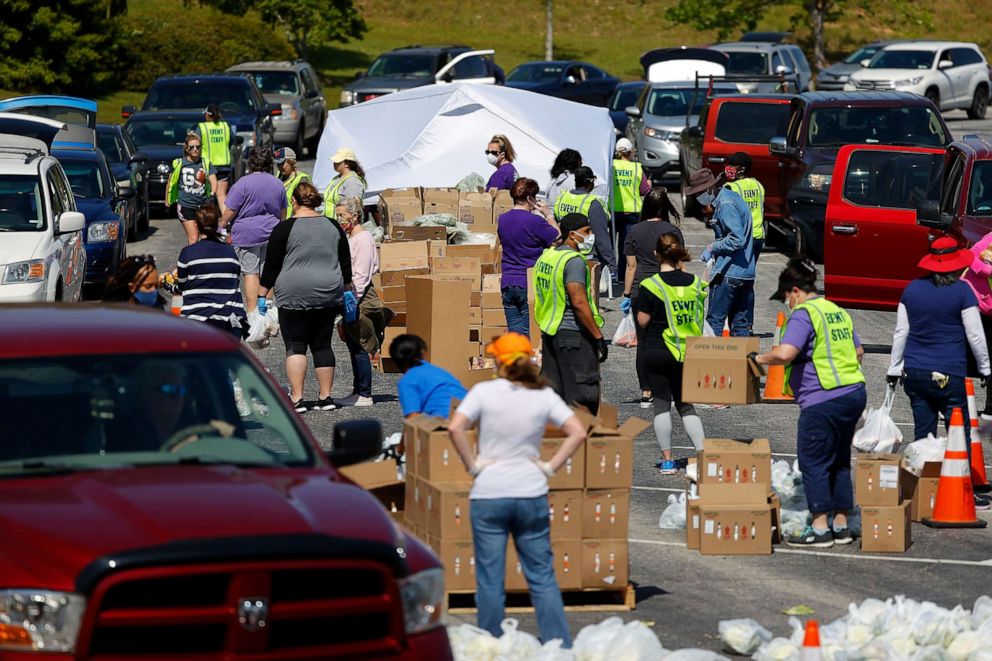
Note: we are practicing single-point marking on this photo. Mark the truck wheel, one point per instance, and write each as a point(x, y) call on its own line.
point(300, 141)
point(934, 95)
point(979, 103)
point(58, 292)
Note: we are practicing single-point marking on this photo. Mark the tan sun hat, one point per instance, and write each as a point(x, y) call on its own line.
point(344, 154)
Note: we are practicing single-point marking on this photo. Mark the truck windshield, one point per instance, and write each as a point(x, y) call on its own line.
point(915, 126)
point(131, 410)
point(903, 59)
point(892, 179)
point(197, 95)
point(148, 132)
point(403, 66)
point(980, 193)
point(747, 62)
point(284, 83)
point(20, 204)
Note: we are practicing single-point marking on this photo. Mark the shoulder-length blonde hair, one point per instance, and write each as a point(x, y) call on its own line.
point(504, 146)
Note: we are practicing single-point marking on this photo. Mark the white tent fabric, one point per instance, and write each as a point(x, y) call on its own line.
point(437, 134)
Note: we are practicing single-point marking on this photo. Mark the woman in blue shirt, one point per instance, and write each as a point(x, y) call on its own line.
point(423, 388)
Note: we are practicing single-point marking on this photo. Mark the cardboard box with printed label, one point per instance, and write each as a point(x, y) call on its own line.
point(458, 559)
point(610, 454)
point(606, 513)
point(402, 256)
point(437, 460)
point(605, 563)
point(415, 503)
point(880, 480)
point(475, 209)
point(886, 529)
point(565, 513)
point(447, 510)
point(735, 529)
point(692, 524)
point(716, 371)
point(418, 233)
point(924, 491)
point(572, 474)
point(441, 200)
point(400, 205)
point(567, 561)
point(735, 471)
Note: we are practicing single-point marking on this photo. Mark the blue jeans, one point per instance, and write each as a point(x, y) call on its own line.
point(527, 520)
point(733, 298)
point(516, 309)
point(361, 368)
point(927, 398)
point(824, 446)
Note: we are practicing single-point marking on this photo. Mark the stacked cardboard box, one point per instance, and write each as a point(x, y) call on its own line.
point(885, 491)
point(588, 504)
point(717, 371)
point(398, 207)
point(735, 512)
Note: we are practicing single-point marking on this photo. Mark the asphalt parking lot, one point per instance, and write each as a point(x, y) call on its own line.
point(683, 594)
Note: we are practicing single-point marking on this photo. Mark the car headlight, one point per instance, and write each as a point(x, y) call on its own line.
point(163, 168)
point(905, 82)
point(347, 97)
point(289, 112)
point(21, 272)
point(818, 178)
point(423, 600)
point(249, 137)
point(33, 620)
point(103, 231)
point(661, 134)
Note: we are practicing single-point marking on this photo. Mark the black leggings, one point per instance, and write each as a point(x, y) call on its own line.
point(662, 372)
point(312, 329)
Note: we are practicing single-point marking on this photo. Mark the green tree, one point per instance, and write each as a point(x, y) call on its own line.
point(60, 46)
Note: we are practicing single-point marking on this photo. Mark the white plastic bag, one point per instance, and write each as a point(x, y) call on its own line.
point(272, 320)
point(257, 337)
point(743, 636)
point(779, 649)
point(923, 450)
point(626, 334)
point(673, 518)
point(880, 433)
point(690, 654)
point(516, 645)
point(470, 643)
point(612, 640)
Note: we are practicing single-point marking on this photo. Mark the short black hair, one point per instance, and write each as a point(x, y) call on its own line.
point(407, 351)
point(740, 160)
point(260, 159)
point(573, 222)
point(567, 161)
point(584, 176)
point(799, 273)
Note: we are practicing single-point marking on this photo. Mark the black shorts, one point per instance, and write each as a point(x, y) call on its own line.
point(662, 372)
point(186, 213)
point(311, 329)
point(223, 172)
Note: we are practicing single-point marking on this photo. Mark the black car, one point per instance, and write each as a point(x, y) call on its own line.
point(129, 167)
point(625, 94)
point(160, 135)
point(575, 81)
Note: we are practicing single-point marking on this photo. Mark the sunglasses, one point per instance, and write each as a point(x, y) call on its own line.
point(194, 148)
point(493, 153)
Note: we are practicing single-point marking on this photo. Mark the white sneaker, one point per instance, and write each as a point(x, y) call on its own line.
point(354, 399)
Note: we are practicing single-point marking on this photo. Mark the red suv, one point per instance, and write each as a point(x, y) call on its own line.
point(158, 498)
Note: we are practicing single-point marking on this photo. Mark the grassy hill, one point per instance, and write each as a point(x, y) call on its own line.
point(610, 33)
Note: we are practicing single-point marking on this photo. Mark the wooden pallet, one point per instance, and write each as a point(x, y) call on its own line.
point(589, 600)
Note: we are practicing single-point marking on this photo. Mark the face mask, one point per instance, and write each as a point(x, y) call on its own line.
point(491, 158)
point(586, 245)
point(730, 172)
point(706, 198)
point(146, 297)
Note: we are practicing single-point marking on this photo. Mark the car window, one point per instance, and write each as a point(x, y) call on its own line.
point(192, 95)
point(536, 72)
point(751, 123)
point(146, 132)
point(470, 67)
point(913, 125)
point(891, 180)
point(143, 409)
point(20, 204)
point(669, 102)
point(965, 56)
point(310, 81)
point(62, 189)
point(951, 191)
point(84, 178)
point(747, 62)
point(624, 97)
point(57, 190)
point(575, 71)
point(108, 143)
point(283, 83)
point(403, 66)
point(592, 73)
point(59, 113)
point(777, 61)
point(865, 53)
point(903, 59)
point(980, 193)
point(802, 64)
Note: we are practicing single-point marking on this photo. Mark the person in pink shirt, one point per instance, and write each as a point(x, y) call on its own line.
point(979, 277)
point(364, 264)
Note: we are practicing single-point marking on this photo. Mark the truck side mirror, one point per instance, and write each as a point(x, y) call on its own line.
point(694, 131)
point(928, 214)
point(632, 111)
point(779, 146)
point(355, 441)
point(865, 62)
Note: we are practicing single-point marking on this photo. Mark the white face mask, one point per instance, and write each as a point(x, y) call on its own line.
point(586, 245)
point(491, 158)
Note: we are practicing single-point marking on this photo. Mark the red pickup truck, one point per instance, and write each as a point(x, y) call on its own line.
point(159, 499)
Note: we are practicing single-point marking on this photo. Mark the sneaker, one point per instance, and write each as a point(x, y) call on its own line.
point(982, 503)
point(647, 402)
point(811, 538)
point(299, 406)
point(325, 404)
point(843, 536)
point(354, 399)
point(667, 467)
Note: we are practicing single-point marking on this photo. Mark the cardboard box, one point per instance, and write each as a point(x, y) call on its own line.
point(924, 491)
point(880, 480)
point(572, 474)
point(565, 509)
point(438, 312)
point(605, 563)
point(415, 503)
point(494, 317)
point(502, 202)
point(395, 294)
point(492, 283)
point(418, 233)
point(487, 227)
point(437, 460)
point(447, 510)
point(735, 529)
point(567, 560)
point(776, 505)
point(399, 205)
point(485, 253)
point(475, 208)
point(372, 474)
point(467, 267)
point(716, 371)
point(408, 445)
point(487, 333)
point(606, 513)
point(441, 200)
point(735, 472)
point(401, 256)
point(886, 529)
point(610, 454)
point(692, 524)
point(458, 559)
point(475, 317)
point(397, 278)
point(492, 300)
point(389, 334)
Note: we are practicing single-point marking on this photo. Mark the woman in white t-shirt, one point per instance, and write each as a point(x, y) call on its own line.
point(510, 491)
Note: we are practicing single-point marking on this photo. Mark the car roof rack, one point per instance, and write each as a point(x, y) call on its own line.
point(738, 78)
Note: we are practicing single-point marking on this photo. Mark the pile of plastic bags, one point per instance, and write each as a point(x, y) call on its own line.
point(262, 327)
point(894, 629)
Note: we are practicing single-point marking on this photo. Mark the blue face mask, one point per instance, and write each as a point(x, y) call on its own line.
point(146, 297)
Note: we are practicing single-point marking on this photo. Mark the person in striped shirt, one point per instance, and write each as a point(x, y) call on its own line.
point(208, 277)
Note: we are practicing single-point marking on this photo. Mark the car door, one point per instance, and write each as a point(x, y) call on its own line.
point(871, 239)
point(467, 67)
point(963, 73)
point(67, 248)
point(313, 101)
point(636, 124)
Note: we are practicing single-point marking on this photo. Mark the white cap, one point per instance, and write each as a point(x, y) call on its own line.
point(624, 146)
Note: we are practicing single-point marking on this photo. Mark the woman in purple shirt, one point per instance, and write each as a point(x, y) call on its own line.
point(524, 235)
point(500, 154)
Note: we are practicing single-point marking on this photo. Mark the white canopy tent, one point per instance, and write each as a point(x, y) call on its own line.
point(437, 134)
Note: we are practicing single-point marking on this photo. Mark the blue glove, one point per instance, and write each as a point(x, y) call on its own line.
point(625, 305)
point(263, 305)
point(707, 255)
point(350, 307)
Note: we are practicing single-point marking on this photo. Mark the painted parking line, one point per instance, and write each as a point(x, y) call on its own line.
point(854, 556)
point(689, 447)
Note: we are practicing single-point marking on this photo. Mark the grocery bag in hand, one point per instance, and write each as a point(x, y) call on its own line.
point(880, 433)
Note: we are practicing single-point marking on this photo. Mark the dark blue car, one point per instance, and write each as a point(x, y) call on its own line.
point(625, 94)
point(575, 81)
point(97, 198)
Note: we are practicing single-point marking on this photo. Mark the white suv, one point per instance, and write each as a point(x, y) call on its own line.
point(951, 74)
point(42, 257)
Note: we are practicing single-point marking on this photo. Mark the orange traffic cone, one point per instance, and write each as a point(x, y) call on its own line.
point(775, 380)
point(811, 642)
point(726, 332)
point(177, 304)
point(955, 503)
point(979, 481)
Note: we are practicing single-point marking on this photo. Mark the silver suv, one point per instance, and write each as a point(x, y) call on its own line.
point(293, 85)
point(951, 74)
point(757, 58)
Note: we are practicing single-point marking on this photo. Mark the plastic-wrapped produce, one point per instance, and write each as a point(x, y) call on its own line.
point(743, 636)
point(778, 649)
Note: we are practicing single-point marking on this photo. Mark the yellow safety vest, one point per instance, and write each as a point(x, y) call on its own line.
point(753, 193)
point(684, 309)
point(573, 203)
point(835, 357)
point(216, 139)
point(291, 184)
point(627, 177)
point(332, 197)
point(549, 289)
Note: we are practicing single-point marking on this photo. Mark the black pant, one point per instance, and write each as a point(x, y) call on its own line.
point(642, 377)
point(313, 329)
point(570, 363)
point(662, 372)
